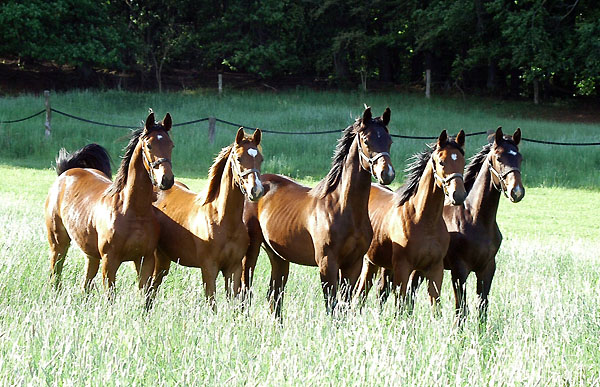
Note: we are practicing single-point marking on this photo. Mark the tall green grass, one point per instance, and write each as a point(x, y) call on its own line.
point(543, 326)
point(306, 157)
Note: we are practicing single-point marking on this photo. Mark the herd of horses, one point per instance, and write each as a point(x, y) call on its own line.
point(442, 218)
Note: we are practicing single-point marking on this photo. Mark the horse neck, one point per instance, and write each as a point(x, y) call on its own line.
point(138, 191)
point(229, 203)
point(484, 198)
point(355, 183)
point(428, 201)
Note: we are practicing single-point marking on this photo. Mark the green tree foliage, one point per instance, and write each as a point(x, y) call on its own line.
point(517, 47)
point(75, 32)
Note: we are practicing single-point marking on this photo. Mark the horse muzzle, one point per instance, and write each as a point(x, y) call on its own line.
point(517, 193)
point(386, 173)
point(166, 182)
point(254, 188)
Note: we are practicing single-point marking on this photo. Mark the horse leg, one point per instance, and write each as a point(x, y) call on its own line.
point(435, 276)
point(233, 280)
point(385, 285)
point(459, 279)
point(110, 265)
point(400, 282)
point(209, 277)
point(162, 264)
point(251, 257)
point(349, 277)
point(279, 274)
point(59, 241)
point(366, 281)
point(416, 279)
point(145, 277)
point(329, 270)
point(484, 284)
point(91, 269)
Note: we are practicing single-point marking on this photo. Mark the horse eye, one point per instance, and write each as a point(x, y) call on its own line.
point(149, 147)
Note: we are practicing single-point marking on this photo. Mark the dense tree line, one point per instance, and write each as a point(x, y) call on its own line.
point(512, 47)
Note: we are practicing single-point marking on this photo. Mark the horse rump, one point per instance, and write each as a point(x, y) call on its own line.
point(90, 156)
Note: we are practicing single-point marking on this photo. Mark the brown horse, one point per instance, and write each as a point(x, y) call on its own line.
point(327, 226)
point(474, 234)
point(112, 221)
point(206, 230)
point(409, 232)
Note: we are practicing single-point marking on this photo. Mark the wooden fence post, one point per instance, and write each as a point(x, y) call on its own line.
point(211, 129)
point(47, 124)
point(220, 79)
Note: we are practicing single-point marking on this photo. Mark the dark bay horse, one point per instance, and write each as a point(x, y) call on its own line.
point(206, 230)
point(112, 221)
point(409, 231)
point(327, 226)
point(474, 234)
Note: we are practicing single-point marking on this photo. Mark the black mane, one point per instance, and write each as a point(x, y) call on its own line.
point(474, 166)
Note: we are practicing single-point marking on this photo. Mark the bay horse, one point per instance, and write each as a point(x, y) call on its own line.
point(474, 234)
point(409, 233)
point(327, 226)
point(206, 230)
point(112, 221)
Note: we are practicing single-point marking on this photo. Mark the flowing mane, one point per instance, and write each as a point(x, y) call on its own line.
point(475, 163)
point(416, 169)
point(215, 174)
point(121, 177)
point(414, 172)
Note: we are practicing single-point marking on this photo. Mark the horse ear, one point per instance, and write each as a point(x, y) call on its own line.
point(499, 135)
point(367, 116)
point(167, 122)
point(150, 121)
point(386, 116)
point(460, 138)
point(443, 139)
point(239, 136)
point(517, 136)
point(257, 136)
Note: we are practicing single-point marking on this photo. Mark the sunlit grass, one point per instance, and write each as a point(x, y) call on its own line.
point(543, 328)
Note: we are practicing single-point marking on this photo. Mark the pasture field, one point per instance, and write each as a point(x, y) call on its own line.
point(543, 328)
point(544, 318)
point(306, 157)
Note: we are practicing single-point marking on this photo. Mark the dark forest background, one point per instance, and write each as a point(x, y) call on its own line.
point(537, 49)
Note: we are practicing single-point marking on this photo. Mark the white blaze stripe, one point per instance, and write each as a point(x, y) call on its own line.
point(454, 156)
point(252, 152)
point(159, 137)
point(512, 152)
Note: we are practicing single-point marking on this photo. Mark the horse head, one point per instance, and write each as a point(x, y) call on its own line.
point(246, 159)
point(156, 151)
point(505, 165)
point(374, 146)
point(448, 160)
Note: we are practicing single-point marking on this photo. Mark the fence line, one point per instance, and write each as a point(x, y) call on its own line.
point(288, 133)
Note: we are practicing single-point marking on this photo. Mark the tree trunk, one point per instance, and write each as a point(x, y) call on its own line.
point(492, 75)
point(536, 91)
point(341, 65)
point(385, 69)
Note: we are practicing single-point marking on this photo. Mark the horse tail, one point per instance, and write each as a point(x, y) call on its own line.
point(90, 156)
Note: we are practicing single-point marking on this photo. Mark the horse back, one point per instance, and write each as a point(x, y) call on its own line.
point(72, 203)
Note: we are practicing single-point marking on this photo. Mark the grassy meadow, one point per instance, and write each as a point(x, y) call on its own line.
point(544, 319)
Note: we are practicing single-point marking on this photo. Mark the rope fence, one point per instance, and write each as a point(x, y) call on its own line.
point(212, 121)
